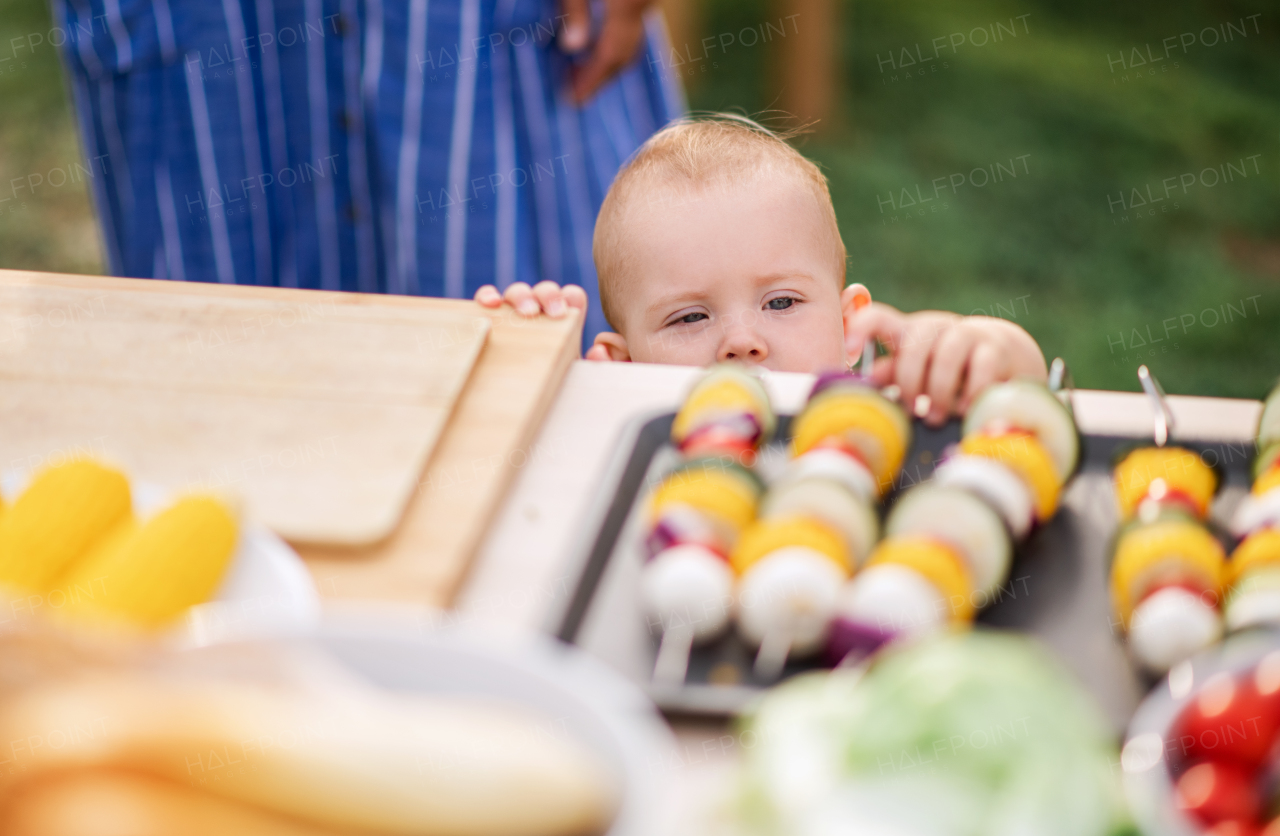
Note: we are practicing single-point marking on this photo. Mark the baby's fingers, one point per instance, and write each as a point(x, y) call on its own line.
point(883, 372)
point(574, 296)
point(911, 363)
point(950, 356)
point(556, 300)
point(520, 296)
point(872, 321)
point(550, 298)
point(488, 296)
point(986, 366)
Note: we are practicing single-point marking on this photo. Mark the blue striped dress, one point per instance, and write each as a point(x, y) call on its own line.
point(399, 146)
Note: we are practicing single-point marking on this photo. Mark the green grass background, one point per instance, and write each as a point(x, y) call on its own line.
point(42, 227)
point(1044, 244)
point(1043, 249)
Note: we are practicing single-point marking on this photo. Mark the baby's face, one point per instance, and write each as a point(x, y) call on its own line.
point(742, 273)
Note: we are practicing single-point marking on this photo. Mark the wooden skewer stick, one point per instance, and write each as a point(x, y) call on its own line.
point(1061, 383)
point(868, 357)
point(850, 660)
point(1159, 406)
point(672, 665)
point(771, 658)
point(854, 661)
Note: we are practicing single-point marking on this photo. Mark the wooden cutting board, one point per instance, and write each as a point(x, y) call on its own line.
point(321, 413)
point(329, 447)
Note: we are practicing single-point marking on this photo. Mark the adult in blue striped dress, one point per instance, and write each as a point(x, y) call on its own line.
point(401, 146)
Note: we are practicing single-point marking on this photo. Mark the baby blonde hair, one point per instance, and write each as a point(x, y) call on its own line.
point(689, 156)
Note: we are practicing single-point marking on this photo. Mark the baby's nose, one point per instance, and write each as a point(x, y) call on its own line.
point(744, 345)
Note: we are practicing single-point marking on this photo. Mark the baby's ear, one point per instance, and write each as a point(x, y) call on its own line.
point(855, 297)
point(609, 346)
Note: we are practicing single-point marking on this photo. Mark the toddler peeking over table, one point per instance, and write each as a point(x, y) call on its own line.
point(718, 241)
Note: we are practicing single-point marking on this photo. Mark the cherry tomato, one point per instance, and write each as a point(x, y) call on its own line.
point(1232, 827)
point(1266, 683)
point(1217, 791)
point(1181, 500)
point(1232, 718)
point(720, 440)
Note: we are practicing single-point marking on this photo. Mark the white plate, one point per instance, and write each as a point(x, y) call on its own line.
point(1143, 760)
point(267, 586)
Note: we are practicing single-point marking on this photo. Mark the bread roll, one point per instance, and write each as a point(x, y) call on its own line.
point(105, 802)
point(364, 762)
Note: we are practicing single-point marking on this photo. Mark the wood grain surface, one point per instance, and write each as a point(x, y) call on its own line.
point(488, 440)
point(320, 409)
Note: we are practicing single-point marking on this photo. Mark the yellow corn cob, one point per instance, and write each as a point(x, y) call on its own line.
point(171, 562)
point(76, 583)
point(57, 519)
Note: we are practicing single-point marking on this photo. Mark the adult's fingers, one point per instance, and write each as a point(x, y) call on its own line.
point(550, 298)
point(950, 357)
point(520, 296)
point(577, 25)
point(488, 296)
point(619, 39)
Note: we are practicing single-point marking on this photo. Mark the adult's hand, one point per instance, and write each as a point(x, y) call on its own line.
point(620, 36)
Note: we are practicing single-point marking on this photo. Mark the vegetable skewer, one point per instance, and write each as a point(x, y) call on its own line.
point(698, 511)
point(949, 542)
point(817, 524)
point(1167, 567)
point(1254, 570)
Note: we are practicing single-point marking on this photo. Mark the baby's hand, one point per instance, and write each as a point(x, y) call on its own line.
point(950, 358)
point(544, 297)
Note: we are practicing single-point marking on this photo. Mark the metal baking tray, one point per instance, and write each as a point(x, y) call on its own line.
point(1057, 588)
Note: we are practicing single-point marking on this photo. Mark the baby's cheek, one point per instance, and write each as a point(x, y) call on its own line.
point(811, 344)
point(676, 347)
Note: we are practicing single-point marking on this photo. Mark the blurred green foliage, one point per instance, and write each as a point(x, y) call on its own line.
point(1056, 248)
point(43, 226)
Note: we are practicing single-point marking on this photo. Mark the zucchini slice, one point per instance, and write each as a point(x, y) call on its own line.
point(962, 520)
point(1030, 406)
point(830, 502)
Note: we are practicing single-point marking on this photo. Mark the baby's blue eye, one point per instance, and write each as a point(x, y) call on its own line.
point(780, 304)
point(693, 317)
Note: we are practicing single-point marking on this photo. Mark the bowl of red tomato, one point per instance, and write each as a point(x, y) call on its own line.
point(1202, 754)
